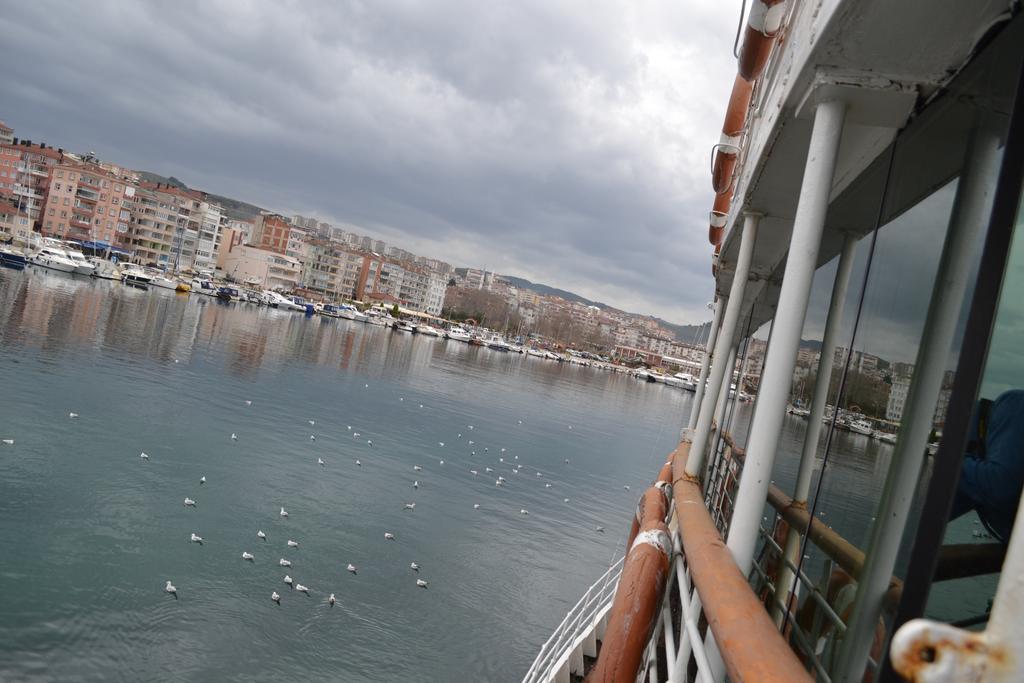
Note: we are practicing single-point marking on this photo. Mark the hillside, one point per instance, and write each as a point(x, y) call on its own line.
point(683, 333)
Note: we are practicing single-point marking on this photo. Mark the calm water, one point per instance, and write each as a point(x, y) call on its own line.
point(89, 532)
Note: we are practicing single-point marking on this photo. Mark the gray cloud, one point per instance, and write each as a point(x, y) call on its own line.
point(564, 142)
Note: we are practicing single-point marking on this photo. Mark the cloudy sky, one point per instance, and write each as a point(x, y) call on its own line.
point(566, 142)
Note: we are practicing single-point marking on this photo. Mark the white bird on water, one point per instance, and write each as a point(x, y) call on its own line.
point(312, 422)
point(312, 437)
point(141, 455)
point(234, 437)
point(388, 536)
point(498, 482)
point(72, 415)
point(441, 444)
point(471, 442)
point(284, 563)
point(190, 503)
point(196, 539)
point(369, 443)
point(260, 534)
point(284, 513)
point(415, 484)
point(626, 487)
point(470, 426)
point(441, 462)
point(288, 579)
point(355, 435)
point(293, 544)
point(248, 403)
point(547, 486)
point(416, 468)
point(275, 597)
point(421, 583)
point(473, 472)
point(202, 480)
point(488, 469)
point(352, 568)
point(524, 511)
point(349, 427)
point(169, 588)
point(359, 463)
point(410, 506)
point(320, 461)
point(600, 529)
point(302, 589)
point(247, 556)
point(502, 450)
point(413, 566)
point(331, 600)
point(9, 442)
point(565, 500)
point(476, 506)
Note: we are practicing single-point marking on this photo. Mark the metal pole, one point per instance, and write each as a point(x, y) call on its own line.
point(723, 393)
point(766, 426)
point(709, 350)
point(967, 224)
point(722, 343)
point(818, 401)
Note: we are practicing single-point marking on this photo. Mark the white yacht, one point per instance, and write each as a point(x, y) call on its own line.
point(861, 427)
point(459, 333)
point(136, 277)
point(429, 331)
point(160, 280)
point(82, 265)
point(54, 259)
point(278, 300)
point(106, 270)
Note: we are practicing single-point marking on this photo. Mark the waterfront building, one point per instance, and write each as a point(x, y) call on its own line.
point(16, 225)
point(212, 221)
point(26, 180)
point(165, 225)
point(258, 267)
point(271, 231)
point(87, 203)
point(6, 134)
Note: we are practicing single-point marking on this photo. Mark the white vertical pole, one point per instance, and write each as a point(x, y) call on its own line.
point(723, 393)
point(967, 224)
point(698, 395)
point(723, 343)
point(818, 401)
point(777, 376)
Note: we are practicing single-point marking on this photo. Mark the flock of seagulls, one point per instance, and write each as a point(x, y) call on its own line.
point(292, 544)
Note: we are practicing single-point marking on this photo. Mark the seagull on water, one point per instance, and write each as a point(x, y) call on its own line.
point(190, 503)
point(421, 583)
point(486, 449)
point(284, 563)
point(312, 422)
point(275, 597)
point(352, 568)
point(520, 422)
point(9, 442)
point(388, 536)
point(72, 415)
point(413, 566)
point(565, 500)
point(288, 579)
point(349, 427)
point(488, 469)
point(202, 480)
point(293, 544)
point(196, 539)
point(441, 444)
point(302, 589)
point(169, 588)
point(600, 529)
point(441, 462)
point(502, 450)
point(359, 463)
point(369, 443)
point(473, 472)
point(312, 437)
point(141, 455)
point(421, 405)
point(248, 403)
point(498, 482)
point(331, 600)
point(524, 511)
point(284, 513)
point(567, 461)
point(476, 506)
point(410, 506)
point(471, 442)
point(234, 437)
point(547, 486)
point(416, 468)
point(355, 435)
point(260, 534)
point(415, 484)
point(247, 556)
point(470, 426)
point(472, 452)
point(320, 461)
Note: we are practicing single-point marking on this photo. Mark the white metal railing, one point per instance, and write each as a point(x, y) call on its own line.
point(680, 639)
point(581, 621)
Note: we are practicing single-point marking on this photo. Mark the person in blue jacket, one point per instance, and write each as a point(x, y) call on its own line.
point(992, 473)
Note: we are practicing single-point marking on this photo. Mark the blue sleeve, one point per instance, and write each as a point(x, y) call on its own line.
point(994, 483)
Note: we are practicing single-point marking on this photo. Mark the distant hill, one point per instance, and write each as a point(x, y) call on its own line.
point(233, 208)
point(683, 333)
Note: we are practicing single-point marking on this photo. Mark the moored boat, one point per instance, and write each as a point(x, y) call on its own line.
point(11, 257)
point(54, 259)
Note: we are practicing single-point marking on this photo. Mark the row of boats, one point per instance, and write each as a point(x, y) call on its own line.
point(850, 422)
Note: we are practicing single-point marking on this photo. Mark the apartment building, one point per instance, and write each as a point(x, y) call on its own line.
point(212, 222)
point(6, 134)
point(271, 231)
point(258, 267)
point(384, 280)
point(88, 203)
point(25, 175)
